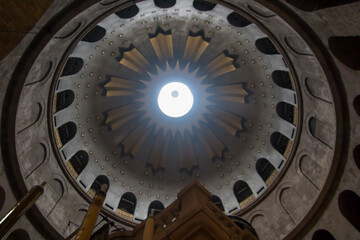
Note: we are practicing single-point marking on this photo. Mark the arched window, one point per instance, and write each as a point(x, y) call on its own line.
point(95, 34)
point(279, 142)
point(96, 186)
point(266, 170)
point(156, 207)
point(128, 12)
point(217, 201)
point(18, 234)
point(203, 5)
point(312, 5)
point(282, 79)
point(347, 50)
point(322, 234)
point(67, 132)
point(266, 46)
point(72, 66)
point(243, 193)
point(127, 203)
point(349, 205)
point(77, 163)
point(165, 3)
point(237, 20)
point(286, 111)
point(64, 99)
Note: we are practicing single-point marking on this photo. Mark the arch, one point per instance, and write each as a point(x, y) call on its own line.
point(2, 197)
point(349, 205)
point(282, 79)
point(128, 12)
point(286, 111)
point(237, 20)
point(356, 104)
point(18, 234)
point(72, 66)
point(29, 119)
point(266, 46)
point(67, 132)
point(127, 203)
point(321, 131)
point(156, 206)
point(311, 5)
point(36, 159)
point(243, 224)
point(95, 34)
point(242, 193)
point(203, 5)
point(312, 171)
point(265, 169)
point(279, 142)
point(99, 180)
point(165, 3)
point(292, 202)
point(322, 234)
point(347, 50)
point(64, 99)
point(356, 153)
point(79, 161)
point(318, 89)
point(56, 190)
point(217, 201)
point(262, 226)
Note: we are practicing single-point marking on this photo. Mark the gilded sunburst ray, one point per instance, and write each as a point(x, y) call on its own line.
point(161, 132)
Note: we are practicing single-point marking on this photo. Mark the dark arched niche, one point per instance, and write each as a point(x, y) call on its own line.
point(128, 12)
point(79, 161)
point(349, 205)
point(64, 99)
point(95, 34)
point(155, 206)
point(282, 79)
point(100, 180)
point(264, 168)
point(242, 191)
point(237, 20)
point(322, 234)
point(279, 142)
point(18, 234)
point(217, 201)
point(165, 3)
point(67, 132)
point(203, 5)
point(266, 46)
point(72, 66)
point(347, 50)
point(285, 111)
point(127, 203)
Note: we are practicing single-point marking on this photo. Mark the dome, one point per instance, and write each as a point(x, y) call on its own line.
point(245, 97)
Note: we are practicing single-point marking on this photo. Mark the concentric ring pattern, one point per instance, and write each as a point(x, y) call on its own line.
point(236, 139)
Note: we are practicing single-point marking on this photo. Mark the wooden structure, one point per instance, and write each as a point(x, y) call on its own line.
point(192, 216)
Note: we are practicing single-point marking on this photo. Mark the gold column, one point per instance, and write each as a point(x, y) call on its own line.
point(20, 208)
point(149, 227)
point(92, 214)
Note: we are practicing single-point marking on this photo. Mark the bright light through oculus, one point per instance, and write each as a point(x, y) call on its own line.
point(175, 99)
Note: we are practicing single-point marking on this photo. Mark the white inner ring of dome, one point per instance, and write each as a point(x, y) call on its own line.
point(175, 99)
